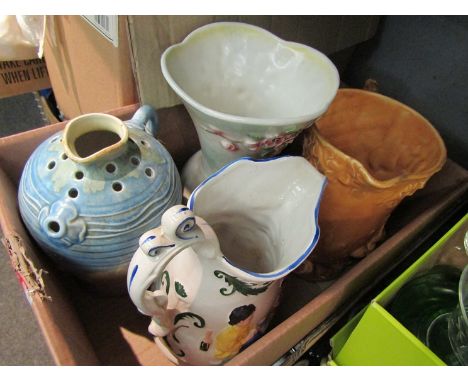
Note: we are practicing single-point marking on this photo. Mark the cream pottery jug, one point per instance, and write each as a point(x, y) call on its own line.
point(211, 274)
point(248, 92)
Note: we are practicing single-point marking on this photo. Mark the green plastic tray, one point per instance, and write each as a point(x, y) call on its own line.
point(374, 337)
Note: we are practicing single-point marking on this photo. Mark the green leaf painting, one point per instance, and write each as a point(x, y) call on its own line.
point(166, 281)
point(199, 321)
point(245, 288)
point(180, 290)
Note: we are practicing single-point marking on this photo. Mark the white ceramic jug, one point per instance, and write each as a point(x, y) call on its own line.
point(210, 275)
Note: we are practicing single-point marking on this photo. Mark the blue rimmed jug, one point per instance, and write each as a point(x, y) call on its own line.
point(210, 275)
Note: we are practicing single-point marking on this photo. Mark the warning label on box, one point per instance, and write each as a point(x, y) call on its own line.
point(22, 76)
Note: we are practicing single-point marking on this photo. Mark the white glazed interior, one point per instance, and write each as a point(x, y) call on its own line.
point(243, 73)
point(263, 212)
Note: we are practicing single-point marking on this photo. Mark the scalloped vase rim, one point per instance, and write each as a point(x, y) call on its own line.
point(255, 121)
point(392, 181)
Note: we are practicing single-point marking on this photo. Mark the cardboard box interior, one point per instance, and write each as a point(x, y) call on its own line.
point(83, 327)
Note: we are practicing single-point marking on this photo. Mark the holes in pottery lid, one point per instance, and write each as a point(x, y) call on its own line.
point(53, 226)
point(144, 143)
point(53, 139)
point(73, 193)
point(135, 160)
point(51, 165)
point(111, 168)
point(64, 156)
point(79, 175)
point(149, 172)
point(117, 186)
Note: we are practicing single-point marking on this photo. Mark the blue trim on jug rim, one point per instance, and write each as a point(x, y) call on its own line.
point(310, 247)
point(216, 173)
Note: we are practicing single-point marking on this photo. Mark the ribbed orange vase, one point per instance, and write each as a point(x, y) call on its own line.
point(374, 151)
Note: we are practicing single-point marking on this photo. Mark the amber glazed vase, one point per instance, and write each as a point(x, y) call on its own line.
point(374, 151)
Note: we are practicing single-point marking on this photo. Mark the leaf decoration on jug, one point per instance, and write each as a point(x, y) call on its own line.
point(199, 322)
point(179, 352)
point(244, 288)
point(180, 290)
point(166, 281)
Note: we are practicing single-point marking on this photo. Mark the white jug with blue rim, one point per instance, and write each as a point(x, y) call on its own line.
point(210, 275)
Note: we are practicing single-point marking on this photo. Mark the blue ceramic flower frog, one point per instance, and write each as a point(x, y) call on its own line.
point(90, 191)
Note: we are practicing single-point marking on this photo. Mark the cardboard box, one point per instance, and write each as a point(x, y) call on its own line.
point(23, 76)
point(150, 36)
point(83, 328)
point(375, 337)
point(88, 73)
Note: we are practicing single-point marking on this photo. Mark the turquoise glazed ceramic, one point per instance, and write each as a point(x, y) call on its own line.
point(89, 192)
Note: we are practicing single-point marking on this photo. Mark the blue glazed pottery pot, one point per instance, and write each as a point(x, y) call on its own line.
point(90, 191)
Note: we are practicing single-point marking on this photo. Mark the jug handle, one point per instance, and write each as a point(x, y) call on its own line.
point(158, 247)
point(146, 118)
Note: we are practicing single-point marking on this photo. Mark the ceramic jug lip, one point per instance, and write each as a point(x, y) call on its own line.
point(281, 272)
point(271, 276)
point(191, 200)
point(86, 123)
point(383, 184)
point(255, 121)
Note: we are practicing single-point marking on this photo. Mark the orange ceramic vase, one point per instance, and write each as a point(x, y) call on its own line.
point(374, 151)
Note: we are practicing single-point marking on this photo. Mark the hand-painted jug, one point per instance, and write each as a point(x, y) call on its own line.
point(210, 275)
point(90, 191)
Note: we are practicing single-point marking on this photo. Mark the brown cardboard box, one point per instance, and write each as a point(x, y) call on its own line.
point(83, 328)
point(150, 36)
point(22, 76)
point(87, 72)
